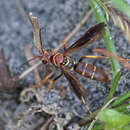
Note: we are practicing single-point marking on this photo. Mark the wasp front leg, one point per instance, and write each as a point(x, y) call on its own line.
point(51, 82)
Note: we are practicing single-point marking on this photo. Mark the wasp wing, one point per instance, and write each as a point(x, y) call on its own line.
point(93, 34)
point(74, 83)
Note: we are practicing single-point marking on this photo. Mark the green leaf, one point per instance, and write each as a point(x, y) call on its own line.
point(113, 119)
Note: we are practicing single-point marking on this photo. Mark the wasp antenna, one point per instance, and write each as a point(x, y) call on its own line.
point(31, 60)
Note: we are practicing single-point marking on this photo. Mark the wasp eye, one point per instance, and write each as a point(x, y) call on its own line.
point(44, 61)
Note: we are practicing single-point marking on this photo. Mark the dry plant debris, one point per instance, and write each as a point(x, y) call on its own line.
point(6, 81)
point(29, 55)
point(122, 61)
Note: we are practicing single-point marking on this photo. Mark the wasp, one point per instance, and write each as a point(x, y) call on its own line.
point(66, 64)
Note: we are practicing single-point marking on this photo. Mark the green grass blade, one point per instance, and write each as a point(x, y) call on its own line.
point(121, 99)
point(123, 108)
point(116, 77)
point(109, 45)
point(122, 6)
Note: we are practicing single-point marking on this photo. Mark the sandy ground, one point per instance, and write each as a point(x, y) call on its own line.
point(58, 18)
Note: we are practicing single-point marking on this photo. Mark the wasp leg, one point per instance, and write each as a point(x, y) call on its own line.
point(42, 82)
point(92, 57)
point(52, 82)
point(64, 44)
point(86, 106)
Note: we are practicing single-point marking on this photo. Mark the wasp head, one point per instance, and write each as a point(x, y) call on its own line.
point(47, 56)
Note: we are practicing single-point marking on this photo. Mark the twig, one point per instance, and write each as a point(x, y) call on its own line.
point(37, 78)
point(22, 10)
point(38, 107)
point(75, 30)
point(106, 105)
point(24, 98)
point(36, 31)
point(29, 70)
point(37, 42)
point(28, 55)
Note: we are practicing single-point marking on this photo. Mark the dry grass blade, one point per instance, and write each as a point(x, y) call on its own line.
point(118, 18)
point(26, 72)
point(122, 61)
point(75, 30)
point(122, 22)
point(103, 4)
point(22, 10)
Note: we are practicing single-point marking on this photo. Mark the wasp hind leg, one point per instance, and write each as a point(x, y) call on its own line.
point(92, 57)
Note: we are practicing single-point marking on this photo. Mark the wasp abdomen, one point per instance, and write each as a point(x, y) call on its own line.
point(91, 71)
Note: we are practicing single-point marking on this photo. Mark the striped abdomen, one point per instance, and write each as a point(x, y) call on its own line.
point(91, 71)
